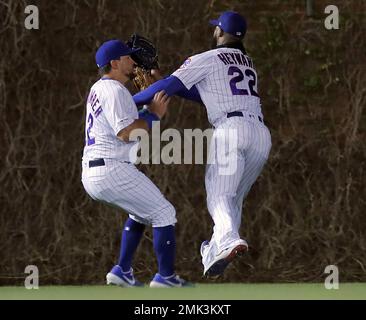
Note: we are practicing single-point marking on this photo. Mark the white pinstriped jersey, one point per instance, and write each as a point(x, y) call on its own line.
point(226, 81)
point(110, 108)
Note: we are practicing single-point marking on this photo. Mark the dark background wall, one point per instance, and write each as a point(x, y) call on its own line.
point(307, 210)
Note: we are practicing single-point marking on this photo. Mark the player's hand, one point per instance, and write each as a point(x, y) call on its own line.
point(159, 104)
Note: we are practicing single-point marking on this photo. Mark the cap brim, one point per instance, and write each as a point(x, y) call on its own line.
point(214, 22)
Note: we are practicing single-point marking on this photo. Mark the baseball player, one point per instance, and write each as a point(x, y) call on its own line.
point(108, 174)
point(225, 81)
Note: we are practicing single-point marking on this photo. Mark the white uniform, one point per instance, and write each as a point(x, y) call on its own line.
point(107, 173)
point(227, 82)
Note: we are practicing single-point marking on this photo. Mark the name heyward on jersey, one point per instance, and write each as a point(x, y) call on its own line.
point(235, 58)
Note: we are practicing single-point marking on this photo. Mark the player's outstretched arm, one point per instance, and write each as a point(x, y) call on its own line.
point(191, 94)
point(172, 86)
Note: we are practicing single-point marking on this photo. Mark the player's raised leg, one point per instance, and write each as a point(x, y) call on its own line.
point(221, 188)
point(256, 158)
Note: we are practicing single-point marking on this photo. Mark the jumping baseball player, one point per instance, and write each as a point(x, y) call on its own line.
point(108, 174)
point(225, 81)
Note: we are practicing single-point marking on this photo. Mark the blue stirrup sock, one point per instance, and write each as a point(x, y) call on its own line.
point(131, 236)
point(164, 246)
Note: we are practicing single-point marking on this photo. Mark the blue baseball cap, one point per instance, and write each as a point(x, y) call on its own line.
point(112, 50)
point(231, 22)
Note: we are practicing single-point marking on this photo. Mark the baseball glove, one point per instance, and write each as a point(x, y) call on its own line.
point(146, 60)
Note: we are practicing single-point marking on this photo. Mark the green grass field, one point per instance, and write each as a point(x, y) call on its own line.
point(346, 291)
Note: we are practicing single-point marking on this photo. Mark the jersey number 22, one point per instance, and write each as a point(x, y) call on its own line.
point(252, 82)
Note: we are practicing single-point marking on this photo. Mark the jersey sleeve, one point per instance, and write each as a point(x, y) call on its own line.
point(120, 109)
point(195, 69)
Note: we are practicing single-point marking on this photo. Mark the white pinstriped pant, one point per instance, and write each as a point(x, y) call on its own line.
point(122, 185)
point(226, 193)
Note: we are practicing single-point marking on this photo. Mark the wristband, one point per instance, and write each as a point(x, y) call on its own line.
point(148, 116)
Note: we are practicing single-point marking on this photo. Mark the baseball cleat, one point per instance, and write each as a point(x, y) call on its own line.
point(123, 279)
point(169, 282)
point(218, 265)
